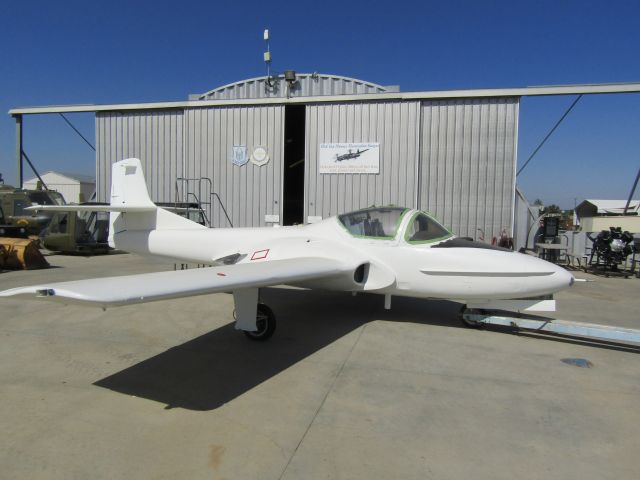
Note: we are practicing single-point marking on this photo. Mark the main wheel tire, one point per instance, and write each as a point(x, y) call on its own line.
point(265, 322)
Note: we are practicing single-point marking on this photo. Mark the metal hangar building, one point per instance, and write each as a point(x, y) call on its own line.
point(296, 148)
point(452, 157)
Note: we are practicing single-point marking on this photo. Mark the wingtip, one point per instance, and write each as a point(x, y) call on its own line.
point(12, 292)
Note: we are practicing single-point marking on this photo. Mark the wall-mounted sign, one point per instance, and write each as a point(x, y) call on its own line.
point(260, 156)
point(239, 155)
point(349, 158)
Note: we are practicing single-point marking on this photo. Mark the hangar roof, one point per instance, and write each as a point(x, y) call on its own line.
point(304, 85)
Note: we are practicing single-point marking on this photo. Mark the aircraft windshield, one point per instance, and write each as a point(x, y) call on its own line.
point(381, 223)
point(424, 229)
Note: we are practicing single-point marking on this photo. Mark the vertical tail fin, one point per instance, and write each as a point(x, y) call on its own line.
point(128, 186)
point(129, 191)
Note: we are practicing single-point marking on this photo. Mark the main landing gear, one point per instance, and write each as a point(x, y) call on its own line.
point(253, 317)
point(265, 324)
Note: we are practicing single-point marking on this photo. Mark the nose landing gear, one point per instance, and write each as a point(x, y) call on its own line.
point(465, 316)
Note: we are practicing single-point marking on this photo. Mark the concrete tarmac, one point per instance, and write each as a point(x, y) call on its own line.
point(344, 389)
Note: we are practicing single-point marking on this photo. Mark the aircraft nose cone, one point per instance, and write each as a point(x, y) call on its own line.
point(561, 278)
point(548, 276)
point(566, 276)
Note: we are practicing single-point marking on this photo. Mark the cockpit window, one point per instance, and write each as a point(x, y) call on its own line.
point(424, 229)
point(379, 223)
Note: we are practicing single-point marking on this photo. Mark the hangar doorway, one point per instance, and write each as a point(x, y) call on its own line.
point(294, 165)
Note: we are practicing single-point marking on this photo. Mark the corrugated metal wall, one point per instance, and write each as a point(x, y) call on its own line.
point(248, 192)
point(153, 137)
point(198, 143)
point(395, 125)
point(454, 158)
point(306, 85)
point(468, 155)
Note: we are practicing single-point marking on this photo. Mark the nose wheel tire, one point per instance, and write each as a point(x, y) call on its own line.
point(265, 323)
point(471, 311)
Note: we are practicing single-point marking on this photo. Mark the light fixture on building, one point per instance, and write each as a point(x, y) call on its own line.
point(290, 78)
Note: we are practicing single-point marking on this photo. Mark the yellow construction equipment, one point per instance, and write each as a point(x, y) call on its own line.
point(21, 254)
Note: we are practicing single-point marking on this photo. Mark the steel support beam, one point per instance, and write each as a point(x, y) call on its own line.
point(375, 97)
point(633, 190)
point(19, 172)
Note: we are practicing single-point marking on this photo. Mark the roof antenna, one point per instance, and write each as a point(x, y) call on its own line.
point(269, 83)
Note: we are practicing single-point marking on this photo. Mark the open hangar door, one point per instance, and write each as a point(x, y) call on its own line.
point(294, 165)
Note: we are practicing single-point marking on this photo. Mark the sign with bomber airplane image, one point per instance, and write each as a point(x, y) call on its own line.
point(349, 158)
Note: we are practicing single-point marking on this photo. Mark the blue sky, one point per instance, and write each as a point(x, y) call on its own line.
point(73, 52)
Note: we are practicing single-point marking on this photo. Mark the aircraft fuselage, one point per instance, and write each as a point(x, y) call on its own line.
point(389, 265)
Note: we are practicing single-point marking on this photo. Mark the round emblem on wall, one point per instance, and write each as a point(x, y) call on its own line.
point(259, 156)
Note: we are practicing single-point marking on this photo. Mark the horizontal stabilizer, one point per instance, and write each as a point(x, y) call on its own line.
point(148, 287)
point(92, 208)
point(128, 192)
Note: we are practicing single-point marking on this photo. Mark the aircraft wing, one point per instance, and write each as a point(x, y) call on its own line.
point(148, 287)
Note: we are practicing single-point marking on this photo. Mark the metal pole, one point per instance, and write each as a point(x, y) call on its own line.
point(34, 170)
point(633, 190)
point(19, 173)
point(549, 134)
point(77, 131)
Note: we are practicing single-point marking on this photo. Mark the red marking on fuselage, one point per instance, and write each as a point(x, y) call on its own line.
point(260, 254)
point(221, 274)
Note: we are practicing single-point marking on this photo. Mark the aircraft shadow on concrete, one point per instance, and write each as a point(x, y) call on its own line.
point(213, 369)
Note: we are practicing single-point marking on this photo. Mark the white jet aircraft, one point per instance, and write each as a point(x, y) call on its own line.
point(389, 251)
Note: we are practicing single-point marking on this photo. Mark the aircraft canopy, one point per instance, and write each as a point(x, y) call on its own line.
point(374, 222)
point(384, 223)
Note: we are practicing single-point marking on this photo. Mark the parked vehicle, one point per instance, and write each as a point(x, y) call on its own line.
point(77, 232)
point(14, 201)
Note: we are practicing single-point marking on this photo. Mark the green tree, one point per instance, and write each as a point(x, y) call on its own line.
point(553, 208)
